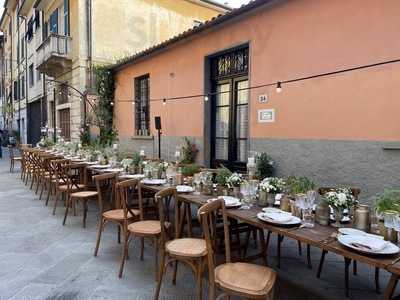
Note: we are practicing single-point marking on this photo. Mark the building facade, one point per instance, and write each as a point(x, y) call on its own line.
point(51, 46)
point(340, 129)
point(80, 34)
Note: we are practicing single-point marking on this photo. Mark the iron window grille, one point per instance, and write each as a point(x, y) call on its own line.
point(142, 111)
point(231, 64)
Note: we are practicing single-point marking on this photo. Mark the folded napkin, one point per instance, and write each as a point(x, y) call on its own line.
point(366, 242)
point(184, 189)
point(280, 217)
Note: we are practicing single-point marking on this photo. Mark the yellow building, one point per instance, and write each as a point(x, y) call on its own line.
point(79, 34)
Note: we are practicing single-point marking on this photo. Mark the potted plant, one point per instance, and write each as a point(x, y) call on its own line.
point(233, 182)
point(221, 178)
point(189, 151)
point(190, 169)
point(269, 187)
point(162, 168)
point(264, 166)
point(339, 199)
point(386, 201)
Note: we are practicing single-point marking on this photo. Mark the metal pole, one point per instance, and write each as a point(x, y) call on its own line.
point(159, 144)
point(54, 115)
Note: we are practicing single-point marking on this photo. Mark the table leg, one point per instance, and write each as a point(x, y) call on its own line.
point(347, 262)
point(354, 267)
point(280, 239)
point(391, 287)
point(299, 247)
point(309, 256)
point(377, 287)
point(263, 247)
point(321, 263)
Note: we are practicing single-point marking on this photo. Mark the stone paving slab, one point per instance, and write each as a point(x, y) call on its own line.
point(41, 259)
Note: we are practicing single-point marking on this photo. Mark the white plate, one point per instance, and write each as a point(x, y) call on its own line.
point(230, 202)
point(113, 170)
point(271, 209)
point(91, 163)
point(184, 189)
point(353, 231)
point(346, 240)
point(100, 166)
point(293, 221)
point(133, 176)
point(153, 181)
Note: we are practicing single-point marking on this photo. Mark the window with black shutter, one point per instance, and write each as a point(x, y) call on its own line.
point(229, 137)
point(142, 95)
point(37, 19)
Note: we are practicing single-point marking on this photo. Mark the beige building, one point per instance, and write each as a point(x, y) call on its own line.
point(79, 34)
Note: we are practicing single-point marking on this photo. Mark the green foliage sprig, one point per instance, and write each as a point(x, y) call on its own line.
point(222, 176)
point(388, 200)
point(264, 166)
point(190, 169)
point(189, 151)
point(299, 185)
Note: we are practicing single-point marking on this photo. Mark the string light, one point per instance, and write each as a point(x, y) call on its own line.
point(206, 98)
point(164, 102)
point(112, 103)
point(279, 87)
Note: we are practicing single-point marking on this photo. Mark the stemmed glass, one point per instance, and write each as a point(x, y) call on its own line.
point(253, 189)
point(396, 226)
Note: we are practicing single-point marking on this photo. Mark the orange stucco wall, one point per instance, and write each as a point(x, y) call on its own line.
point(292, 39)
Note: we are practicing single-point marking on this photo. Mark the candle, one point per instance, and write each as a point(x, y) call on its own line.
point(79, 146)
point(251, 161)
point(115, 146)
point(177, 154)
point(141, 153)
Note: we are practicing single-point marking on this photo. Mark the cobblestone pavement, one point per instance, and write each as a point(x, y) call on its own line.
point(41, 259)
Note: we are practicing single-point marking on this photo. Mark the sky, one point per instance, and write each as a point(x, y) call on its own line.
point(232, 3)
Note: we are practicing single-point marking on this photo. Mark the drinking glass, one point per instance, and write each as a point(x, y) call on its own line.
point(245, 191)
point(197, 183)
point(389, 219)
point(253, 188)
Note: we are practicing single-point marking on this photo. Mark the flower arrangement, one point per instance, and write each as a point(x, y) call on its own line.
point(163, 166)
point(272, 185)
point(126, 162)
point(222, 176)
point(340, 198)
point(234, 180)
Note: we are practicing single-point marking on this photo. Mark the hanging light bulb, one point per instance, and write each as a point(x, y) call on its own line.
point(206, 98)
point(112, 103)
point(279, 87)
point(164, 102)
point(69, 95)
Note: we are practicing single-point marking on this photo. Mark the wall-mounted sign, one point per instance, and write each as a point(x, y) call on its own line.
point(266, 115)
point(263, 98)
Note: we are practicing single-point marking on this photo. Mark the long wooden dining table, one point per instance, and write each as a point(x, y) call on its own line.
point(319, 236)
point(322, 237)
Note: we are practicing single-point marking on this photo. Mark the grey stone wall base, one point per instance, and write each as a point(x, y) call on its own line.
point(169, 145)
point(363, 164)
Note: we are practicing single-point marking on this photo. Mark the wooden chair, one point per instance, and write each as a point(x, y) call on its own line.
point(116, 215)
point(149, 229)
point(77, 174)
point(191, 251)
point(13, 158)
point(355, 192)
point(241, 279)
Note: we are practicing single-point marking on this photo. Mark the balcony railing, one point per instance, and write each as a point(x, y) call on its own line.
point(54, 53)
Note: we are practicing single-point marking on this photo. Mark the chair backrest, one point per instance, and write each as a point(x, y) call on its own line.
point(354, 191)
point(125, 189)
point(161, 198)
point(75, 173)
point(58, 170)
point(208, 214)
point(105, 183)
point(11, 151)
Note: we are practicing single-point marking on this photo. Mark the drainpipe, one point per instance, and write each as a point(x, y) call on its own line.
point(18, 87)
point(89, 41)
point(11, 72)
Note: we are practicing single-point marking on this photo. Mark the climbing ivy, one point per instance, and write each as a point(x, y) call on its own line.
point(103, 109)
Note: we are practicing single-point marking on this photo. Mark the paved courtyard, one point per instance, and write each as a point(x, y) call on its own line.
point(41, 259)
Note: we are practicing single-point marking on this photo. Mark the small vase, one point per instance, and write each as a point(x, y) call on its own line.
point(236, 192)
point(262, 198)
point(338, 216)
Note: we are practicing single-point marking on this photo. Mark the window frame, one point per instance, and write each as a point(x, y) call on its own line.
point(142, 118)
